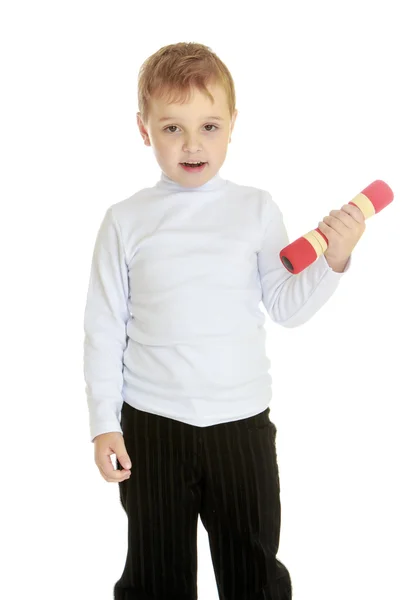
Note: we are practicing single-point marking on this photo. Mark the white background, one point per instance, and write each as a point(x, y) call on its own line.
point(324, 100)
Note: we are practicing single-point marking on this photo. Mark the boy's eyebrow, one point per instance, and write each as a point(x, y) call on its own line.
point(177, 119)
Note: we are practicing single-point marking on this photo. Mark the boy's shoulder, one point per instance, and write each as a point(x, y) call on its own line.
point(247, 189)
point(122, 208)
point(260, 194)
point(142, 193)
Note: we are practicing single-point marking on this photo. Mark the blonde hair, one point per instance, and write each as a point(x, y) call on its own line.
point(174, 70)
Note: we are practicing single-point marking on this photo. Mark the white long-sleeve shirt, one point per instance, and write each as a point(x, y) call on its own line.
point(172, 322)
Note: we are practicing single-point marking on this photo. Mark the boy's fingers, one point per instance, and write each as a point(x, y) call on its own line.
point(124, 461)
point(114, 478)
point(110, 473)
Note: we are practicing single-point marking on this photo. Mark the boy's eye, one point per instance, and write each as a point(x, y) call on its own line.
point(209, 125)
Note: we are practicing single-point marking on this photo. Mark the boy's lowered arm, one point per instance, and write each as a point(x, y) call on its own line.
point(105, 322)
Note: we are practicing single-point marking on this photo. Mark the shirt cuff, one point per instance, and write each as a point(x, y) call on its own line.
point(345, 270)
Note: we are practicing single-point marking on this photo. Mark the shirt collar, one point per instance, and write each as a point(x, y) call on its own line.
point(166, 183)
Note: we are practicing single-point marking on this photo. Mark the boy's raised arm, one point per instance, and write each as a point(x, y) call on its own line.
point(291, 300)
point(105, 322)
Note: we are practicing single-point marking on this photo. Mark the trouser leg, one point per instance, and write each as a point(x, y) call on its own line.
point(241, 509)
point(161, 500)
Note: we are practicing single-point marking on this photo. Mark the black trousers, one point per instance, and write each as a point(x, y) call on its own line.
point(227, 474)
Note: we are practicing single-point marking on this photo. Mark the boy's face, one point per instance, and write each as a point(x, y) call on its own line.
point(189, 135)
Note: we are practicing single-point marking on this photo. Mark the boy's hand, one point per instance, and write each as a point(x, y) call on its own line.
point(106, 444)
point(343, 228)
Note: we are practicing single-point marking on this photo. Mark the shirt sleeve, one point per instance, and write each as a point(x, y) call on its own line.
point(105, 321)
point(291, 300)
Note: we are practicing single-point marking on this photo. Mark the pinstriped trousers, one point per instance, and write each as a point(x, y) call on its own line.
point(226, 473)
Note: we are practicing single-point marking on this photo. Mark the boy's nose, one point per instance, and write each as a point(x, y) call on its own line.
point(192, 145)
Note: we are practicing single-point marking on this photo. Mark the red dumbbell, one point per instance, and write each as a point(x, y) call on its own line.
point(301, 253)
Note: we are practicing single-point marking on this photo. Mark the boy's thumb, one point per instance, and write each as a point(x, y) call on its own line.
point(124, 460)
point(122, 456)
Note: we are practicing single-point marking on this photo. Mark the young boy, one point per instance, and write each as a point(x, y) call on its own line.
point(175, 344)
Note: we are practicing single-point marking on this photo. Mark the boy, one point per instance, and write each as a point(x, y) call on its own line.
point(175, 344)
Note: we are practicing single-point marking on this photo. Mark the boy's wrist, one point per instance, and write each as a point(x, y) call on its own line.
point(337, 265)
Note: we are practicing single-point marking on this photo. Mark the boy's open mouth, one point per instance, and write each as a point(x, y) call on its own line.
point(195, 167)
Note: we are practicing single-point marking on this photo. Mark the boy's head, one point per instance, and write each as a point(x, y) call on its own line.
point(190, 84)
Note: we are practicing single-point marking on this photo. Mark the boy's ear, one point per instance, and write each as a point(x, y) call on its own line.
point(139, 122)
point(233, 124)
point(142, 129)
